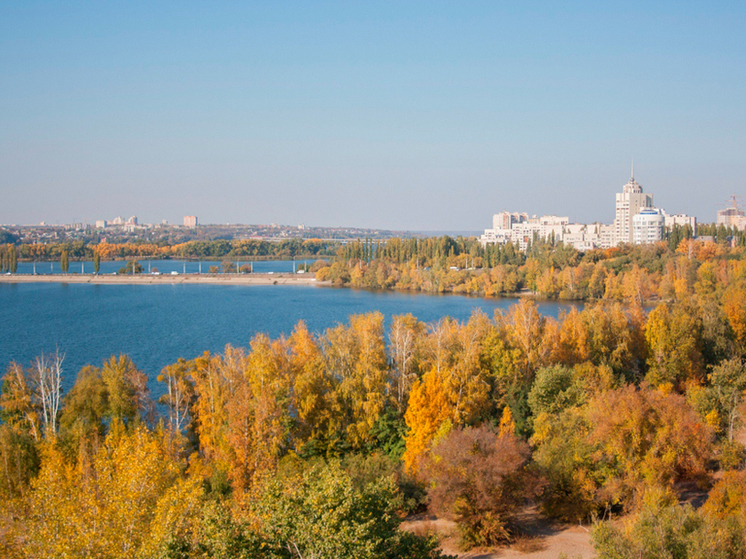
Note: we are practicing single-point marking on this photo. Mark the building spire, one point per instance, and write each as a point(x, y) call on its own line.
point(632, 177)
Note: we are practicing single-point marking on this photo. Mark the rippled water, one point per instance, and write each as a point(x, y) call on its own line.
point(156, 324)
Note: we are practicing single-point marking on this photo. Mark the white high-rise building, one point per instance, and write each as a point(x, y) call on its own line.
point(647, 226)
point(629, 202)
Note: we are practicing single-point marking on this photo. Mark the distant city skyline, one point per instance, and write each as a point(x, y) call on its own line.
point(424, 116)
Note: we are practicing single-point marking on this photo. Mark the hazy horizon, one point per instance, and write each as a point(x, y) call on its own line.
point(428, 116)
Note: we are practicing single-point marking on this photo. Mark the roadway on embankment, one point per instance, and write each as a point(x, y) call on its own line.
point(151, 279)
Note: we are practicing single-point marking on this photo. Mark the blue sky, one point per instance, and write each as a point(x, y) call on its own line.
point(412, 115)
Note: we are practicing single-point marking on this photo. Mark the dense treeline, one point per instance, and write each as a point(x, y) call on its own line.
point(79, 250)
point(628, 273)
point(317, 444)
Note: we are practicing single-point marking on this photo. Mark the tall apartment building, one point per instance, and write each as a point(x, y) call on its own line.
point(636, 221)
point(629, 202)
point(190, 221)
point(647, 226)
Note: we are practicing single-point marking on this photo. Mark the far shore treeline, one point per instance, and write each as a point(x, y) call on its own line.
point(633, 273)
point(81, 250)
point(318, 445)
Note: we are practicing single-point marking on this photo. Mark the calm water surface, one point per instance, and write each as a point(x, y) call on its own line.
point(163, 266)
point(157, 324)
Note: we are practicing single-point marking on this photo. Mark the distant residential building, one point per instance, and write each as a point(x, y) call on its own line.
point(647, 226)
point(190, 221)
point(629, 202)
point(132, 220)
point(732, 216)
point(520, 230)
point(682, 220)
point(101, 224)
point(119, 220)
point(636, 221)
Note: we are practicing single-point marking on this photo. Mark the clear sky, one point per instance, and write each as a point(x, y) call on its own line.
point(403, 115)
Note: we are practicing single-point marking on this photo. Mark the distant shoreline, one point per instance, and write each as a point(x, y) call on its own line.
point(150, 279)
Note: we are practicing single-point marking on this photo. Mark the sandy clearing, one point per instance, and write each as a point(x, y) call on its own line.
point(543, 539)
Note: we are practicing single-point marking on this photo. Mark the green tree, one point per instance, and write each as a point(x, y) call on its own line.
point(127, 391)
point(554, 390)
point(13, 259)
point(64, 262)
point(83, 412)
point(728, 380)
point(132, 267)
point(665, 530)
point(96, 261)
point(322, 514)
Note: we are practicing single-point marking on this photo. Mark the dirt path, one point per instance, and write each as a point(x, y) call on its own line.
point(542, 539)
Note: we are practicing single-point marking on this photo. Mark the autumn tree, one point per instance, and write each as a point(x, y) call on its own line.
point(525, 326)
point(179, 393)
point(665, 529)
point(18, 405)
point(405, 339)
point(429, 412)
point(46, 381)
point(356, 357)
point(477, 478)
point(571, 345)
point(127, 389)
point(214, 385)
point(132, 493)
point(468, 375)
point(313, 394)
point(675, 343)
point(651, 437)
point(554, 390)
point(734, 306)
point(615, 338)
point(85, 412)
point(20, 432)
point(440, 343)
point(608, 452)
point(728, 381)
point(258, 413)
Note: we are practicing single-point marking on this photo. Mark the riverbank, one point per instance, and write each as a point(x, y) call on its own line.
point(151, 279)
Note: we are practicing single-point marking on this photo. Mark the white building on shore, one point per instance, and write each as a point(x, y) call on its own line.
point(648, 226)
point(636, 221)
point(629, 202)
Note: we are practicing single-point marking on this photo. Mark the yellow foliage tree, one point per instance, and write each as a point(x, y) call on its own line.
point(431, 406)
point(124, 505)
point(313, 389)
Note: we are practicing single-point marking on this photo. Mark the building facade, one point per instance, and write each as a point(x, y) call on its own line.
point(629, 202)
point(648, 226)
point(732, 216)
point(636, 221)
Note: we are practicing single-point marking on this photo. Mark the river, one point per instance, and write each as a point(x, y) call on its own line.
point(157, 324)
